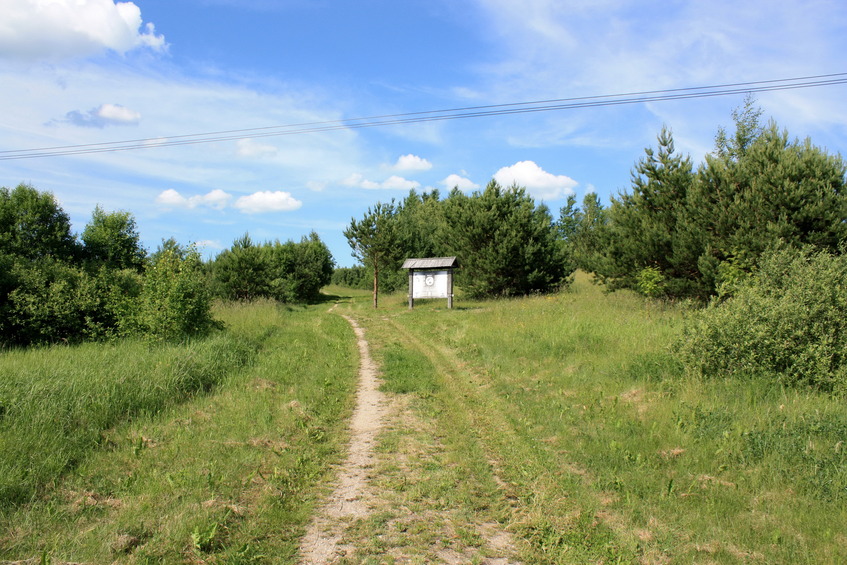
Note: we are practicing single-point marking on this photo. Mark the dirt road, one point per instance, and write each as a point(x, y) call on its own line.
point(386, 506)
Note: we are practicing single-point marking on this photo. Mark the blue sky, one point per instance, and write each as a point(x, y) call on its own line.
point(77, 72)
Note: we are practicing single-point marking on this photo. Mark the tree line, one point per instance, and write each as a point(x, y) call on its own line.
point(679, 232)
point(686, 232)
point(61, 287)
point(507, 244)
point(754, 237)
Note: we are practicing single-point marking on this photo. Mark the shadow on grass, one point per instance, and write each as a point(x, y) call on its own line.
point(325, 298)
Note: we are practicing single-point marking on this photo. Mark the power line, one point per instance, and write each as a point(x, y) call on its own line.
point(558, 104)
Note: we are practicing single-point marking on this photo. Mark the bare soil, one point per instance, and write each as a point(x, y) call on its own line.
point(322, 542)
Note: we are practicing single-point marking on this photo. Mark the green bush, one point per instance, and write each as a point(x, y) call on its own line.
point(52, 290)
point(49, 301)
point(788, 321)
point(650, 282)
point(175, 300)
point(299, 270)
point(351, 277)
point(287, 272)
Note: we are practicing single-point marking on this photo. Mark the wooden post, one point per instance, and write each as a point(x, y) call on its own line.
point(450, 289)
point(411, 289)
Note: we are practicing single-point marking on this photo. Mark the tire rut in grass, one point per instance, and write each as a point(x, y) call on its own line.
point(323, 541)
point(395, 498)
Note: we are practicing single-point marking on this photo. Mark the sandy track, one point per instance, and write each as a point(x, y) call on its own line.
point(364, 488)
point(322, 542)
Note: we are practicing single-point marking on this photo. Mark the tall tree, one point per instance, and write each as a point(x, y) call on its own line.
point(314, 267)
point(33, 225)
point(681, 233)
point(648, 227)
point(506, 243)
point(111, 239)
point(421, 228)
point(748, 128)
point(776, 190)
point(374, 239)
point(584, 232)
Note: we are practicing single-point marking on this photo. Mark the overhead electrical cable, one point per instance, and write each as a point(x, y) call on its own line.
point(468, 112)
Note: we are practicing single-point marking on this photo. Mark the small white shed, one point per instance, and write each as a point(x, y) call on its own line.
point(431, 278)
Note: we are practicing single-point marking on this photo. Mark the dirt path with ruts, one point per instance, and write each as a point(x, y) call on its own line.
point(373, 514)
point(323, 541)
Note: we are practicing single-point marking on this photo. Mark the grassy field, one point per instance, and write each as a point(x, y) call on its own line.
point(208, 452)
point(580, 433)
point(563, 420)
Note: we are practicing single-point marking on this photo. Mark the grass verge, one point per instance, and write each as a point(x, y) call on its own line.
point(225, 474)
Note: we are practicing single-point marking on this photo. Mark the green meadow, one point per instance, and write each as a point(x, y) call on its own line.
point(150, 453)
point(564, 419)
point(573, 409)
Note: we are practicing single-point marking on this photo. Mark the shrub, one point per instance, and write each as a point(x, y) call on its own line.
point(288, 272)
point(48, 301)
point(650, 282)
point(298, 271)
point(351, 277)
point(788, 321)
point(175, 301)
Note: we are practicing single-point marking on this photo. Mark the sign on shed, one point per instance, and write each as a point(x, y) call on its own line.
point(431, 278)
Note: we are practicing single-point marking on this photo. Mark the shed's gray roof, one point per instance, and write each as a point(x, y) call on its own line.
point(431, 263)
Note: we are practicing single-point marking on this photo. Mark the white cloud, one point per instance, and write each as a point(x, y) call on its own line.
point(538, 182)
point(412, 163)
point(105, 115)
point(354, 179)
point(250, 148)
point(267, 201)
point(256, 203)
point(170, 198)
point(217, 199)
point(118, 114)
point(59, 29)
point(209, 244)
point(460, 182)
point(316, 186)
point(393, 182)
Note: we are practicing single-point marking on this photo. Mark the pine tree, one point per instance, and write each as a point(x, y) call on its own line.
point(506, 244)
point(374, 241)
point(648, 227)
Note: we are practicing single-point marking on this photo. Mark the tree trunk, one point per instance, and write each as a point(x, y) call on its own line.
point(376, 283)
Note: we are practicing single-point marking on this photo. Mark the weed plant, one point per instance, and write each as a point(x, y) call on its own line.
point(787, 322)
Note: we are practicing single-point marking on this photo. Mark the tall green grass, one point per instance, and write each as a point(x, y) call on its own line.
point(229, 475)
point(615, 451)
point(58, 401)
